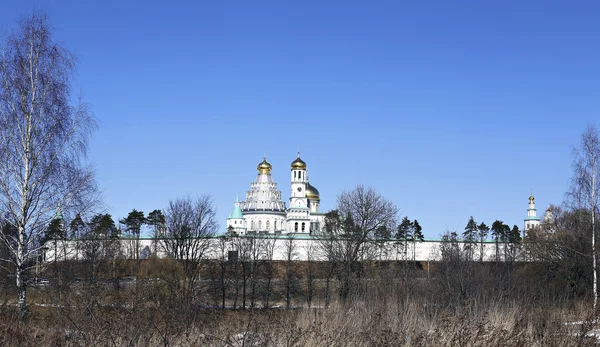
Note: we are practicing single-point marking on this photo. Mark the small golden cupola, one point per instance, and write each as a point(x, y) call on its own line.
point(264, 168)
point(312, 192)
point(298, 164)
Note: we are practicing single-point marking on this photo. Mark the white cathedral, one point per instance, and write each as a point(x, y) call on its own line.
point(264, 212)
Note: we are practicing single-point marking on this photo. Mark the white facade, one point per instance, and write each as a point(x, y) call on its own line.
point(305, 248)
point(264, 212)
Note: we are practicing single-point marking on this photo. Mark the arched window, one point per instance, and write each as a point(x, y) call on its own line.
point(303, 226)
point(259, 225)
point(268, 225)
point(294, 174)
point(252, 225)
point(275, 225)
point(296, 227)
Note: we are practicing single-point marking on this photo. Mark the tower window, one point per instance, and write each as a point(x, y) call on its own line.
point(275, 225)
point(268, 225)
point(252, 225)
point(296, 227)
point(303, 227)
point(259, 225)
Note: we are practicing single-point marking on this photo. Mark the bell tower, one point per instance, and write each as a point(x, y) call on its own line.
point(298, 212)
point(298, 179)
point(532, 220)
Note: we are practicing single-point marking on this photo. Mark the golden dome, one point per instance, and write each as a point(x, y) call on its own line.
point(531, 199)
point(264, 167)
point(298, 164)
point(312, 192)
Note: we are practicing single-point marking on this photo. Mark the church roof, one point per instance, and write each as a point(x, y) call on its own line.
point(312, 192)
point(298, 164)
point(263, 194)
point(236, 213)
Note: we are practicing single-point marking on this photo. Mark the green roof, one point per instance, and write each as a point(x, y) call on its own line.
point(236, 213)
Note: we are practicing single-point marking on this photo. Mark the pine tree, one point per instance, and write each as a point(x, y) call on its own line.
point(156, 219)
point(404, 234)
point(470, 237)
point(498, 235)
point(102, 226)
point(134, 221)
point(417, 235)
point(77, 227)
point(483, 231)
point(514, 239)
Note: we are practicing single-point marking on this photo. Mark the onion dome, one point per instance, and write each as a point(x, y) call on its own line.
point(264, 167)
point(298, 164)
point(531, 199)
point(312, 192)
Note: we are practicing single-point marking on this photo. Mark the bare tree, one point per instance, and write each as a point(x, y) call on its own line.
point(310, 272)
point(268, 267)
point(222, 253)
point(190, 224)
point(42, 141)
point(291, 278)
point(585, 187)
point(350, 231)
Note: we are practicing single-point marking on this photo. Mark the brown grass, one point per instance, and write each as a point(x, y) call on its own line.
point(357, 324)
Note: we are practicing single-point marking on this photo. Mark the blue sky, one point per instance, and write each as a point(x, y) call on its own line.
point(448, 108)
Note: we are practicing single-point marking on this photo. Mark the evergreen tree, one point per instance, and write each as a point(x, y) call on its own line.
point(103, 226)
point(156, 220)
point(54, 231)
point(515, 235)
point(77, 227)
point(417, 235)
point(134, 221)
point(483, 231)
point(514, 239)
point(470, 237)
point(382, 233)
point(404, 234)
point(498, 235)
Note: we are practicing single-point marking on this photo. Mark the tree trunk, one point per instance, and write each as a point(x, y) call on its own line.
point(594, 265)
point(481, 251)
point(22, 292)
point(244, 282)
point(223, 288)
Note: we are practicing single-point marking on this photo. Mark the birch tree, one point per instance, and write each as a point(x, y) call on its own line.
point(43, 140)
point(585, 187)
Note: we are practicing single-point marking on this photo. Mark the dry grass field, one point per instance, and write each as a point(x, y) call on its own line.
point(381, 310)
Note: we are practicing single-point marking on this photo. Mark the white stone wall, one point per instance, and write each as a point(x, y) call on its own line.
point(418, 251)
